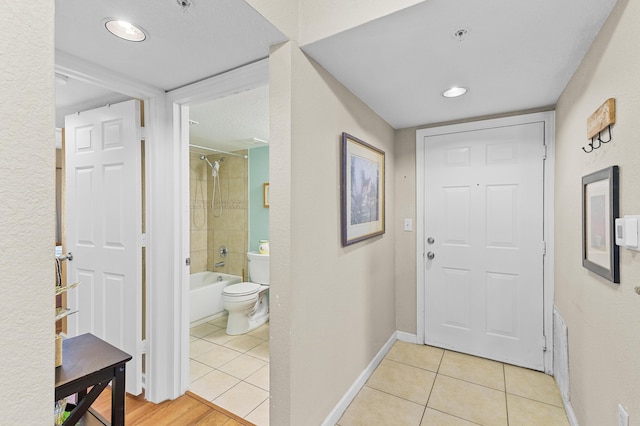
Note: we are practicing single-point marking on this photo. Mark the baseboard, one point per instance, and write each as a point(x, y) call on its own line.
point(344, 402)
point(571, 415)
point(407, 337)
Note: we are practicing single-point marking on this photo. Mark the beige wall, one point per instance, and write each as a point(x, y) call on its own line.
point(332, 307)
point(602, 318)
point(331, 311)
point(27, 213)
point(405, 207)
point(307, 21)
point(323, 18)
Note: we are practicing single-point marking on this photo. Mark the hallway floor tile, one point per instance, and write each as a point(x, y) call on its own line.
point(419, 385)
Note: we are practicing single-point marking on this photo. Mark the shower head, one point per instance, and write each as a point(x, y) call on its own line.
point(202, 157)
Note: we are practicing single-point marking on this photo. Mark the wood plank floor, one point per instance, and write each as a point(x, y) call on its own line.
point(189, 409)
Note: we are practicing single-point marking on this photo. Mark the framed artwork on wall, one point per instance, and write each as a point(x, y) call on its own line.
point(600, 254)
point(362, 190)
point(265, 195)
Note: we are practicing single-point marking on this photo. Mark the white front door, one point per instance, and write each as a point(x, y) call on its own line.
point(483, 208)
point(103, 228)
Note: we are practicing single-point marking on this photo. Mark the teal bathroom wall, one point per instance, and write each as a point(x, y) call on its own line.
point(258, 214)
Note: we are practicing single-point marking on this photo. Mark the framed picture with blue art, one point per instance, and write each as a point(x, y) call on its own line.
point(362, 190)
point(600, 254)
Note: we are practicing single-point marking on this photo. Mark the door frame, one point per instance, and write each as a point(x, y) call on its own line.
point(548, 118)
point(159, 377)
point(241, 79)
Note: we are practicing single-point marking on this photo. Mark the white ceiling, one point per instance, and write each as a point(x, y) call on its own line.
point(211, 37)
point(517, 55)
point(233, 123)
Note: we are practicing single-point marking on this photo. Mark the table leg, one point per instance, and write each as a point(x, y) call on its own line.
point(117, 396)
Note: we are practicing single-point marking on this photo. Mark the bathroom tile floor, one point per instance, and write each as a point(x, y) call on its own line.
point(422, 385)
point(231, 371)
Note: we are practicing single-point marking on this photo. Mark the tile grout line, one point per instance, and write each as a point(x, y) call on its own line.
point(506, 402)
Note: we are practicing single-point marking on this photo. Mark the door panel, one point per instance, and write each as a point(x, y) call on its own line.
point(484, 210)
point(103, 228)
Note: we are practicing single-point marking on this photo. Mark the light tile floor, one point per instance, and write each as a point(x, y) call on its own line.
point(422, 385)
point(231, 371)
point(414, 385)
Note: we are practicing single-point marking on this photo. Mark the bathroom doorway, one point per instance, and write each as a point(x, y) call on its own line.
point(226, 155)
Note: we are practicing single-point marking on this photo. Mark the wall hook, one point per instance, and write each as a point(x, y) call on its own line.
point(599, 139)
point(608, 131)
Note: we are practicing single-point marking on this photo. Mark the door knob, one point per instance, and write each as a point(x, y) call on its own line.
point(431, 255)
point(431, 240)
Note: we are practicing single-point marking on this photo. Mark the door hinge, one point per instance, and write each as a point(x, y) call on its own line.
point(187, 261)
point(544, 248)
point(143, 240)
point(143, 346)
point(143, 134)
point(543, 341)
point(544, 152)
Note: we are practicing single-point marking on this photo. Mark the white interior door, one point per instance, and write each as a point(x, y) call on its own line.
point(103, 228)
point(484, 231)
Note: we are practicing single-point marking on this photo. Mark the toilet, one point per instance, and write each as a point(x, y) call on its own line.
point(248, 302)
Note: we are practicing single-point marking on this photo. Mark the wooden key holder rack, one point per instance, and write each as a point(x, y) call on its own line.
point(603, 118)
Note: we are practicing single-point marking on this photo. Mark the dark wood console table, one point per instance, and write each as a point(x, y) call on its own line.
point(89, 362)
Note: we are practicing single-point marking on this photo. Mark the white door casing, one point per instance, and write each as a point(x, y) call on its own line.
point(103, 228)
point(244, 78)
point(483, 204)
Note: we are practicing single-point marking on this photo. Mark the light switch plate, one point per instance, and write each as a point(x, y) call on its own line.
point(627, 232)
point(631, 232)
point(408, 224)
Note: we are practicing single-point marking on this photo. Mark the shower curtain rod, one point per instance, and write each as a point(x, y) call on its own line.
point(219, 151)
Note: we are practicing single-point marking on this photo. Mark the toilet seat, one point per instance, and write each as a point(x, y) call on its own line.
point(241, 289)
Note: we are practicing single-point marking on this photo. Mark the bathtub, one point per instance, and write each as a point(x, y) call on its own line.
point(205, 294)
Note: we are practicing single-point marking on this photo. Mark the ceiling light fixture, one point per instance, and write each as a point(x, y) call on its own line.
point(454, 92)
point(125, 30)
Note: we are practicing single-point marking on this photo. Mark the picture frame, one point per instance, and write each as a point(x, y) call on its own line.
point(265, 195)
point(362, 186)
point(600, 254)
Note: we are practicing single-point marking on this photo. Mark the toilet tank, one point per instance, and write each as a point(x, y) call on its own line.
point(258, 268)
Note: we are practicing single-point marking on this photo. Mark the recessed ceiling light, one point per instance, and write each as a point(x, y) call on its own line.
point(454, 92)
point(125, 30)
